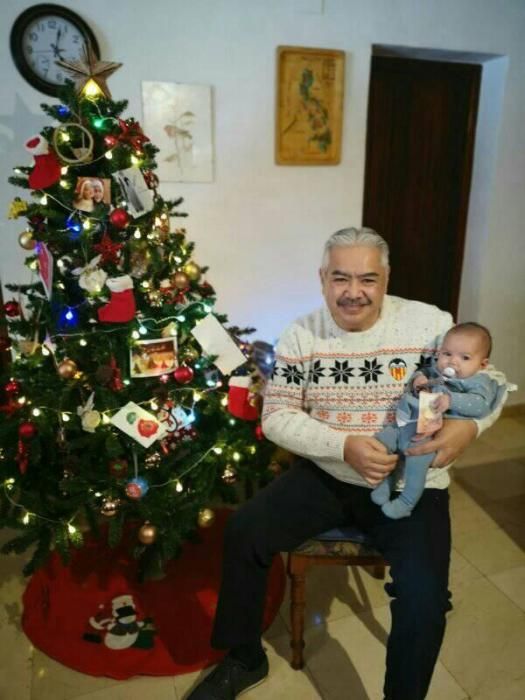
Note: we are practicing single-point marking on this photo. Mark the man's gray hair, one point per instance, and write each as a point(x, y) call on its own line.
point(348, 237)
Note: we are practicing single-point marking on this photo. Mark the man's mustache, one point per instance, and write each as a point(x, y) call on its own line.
point(345, 301)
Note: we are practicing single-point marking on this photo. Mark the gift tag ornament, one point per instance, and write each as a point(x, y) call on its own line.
point(139, 424)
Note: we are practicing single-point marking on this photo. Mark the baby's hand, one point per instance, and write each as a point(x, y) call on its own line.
point(441, 404)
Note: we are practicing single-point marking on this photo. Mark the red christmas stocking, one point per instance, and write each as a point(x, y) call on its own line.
point(121, 307)
point(242, 403)
point(47, 167)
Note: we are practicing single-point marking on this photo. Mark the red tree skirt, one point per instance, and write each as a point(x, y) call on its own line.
point(94, 617)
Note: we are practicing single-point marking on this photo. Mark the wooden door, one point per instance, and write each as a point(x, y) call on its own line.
point(419, 152)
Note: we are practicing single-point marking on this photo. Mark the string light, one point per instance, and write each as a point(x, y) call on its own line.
point(178, 487)
point(25, 519)
point(108, 155)
point(137, 234)
point(65, 184)
point(82, 342)
point(224, 401)
point(65, 417)
point(105, 418)
point(135, 335)
point(64, 169)
point(36, 411)
point(43, 200)
point(143, 330)
point(217, 450)
point(236, 456)
point(71, 529)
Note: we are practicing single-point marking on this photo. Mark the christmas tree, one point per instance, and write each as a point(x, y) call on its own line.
point(128, 408)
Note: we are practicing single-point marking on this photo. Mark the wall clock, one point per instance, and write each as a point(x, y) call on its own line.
point(43, 34)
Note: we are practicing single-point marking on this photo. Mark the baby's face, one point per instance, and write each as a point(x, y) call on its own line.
point(464, 352)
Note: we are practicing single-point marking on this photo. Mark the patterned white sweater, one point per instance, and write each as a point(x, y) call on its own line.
point(328, 383)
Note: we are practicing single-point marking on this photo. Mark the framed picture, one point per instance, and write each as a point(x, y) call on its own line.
point(151, 358)
point(310, 89)
point(178, 118)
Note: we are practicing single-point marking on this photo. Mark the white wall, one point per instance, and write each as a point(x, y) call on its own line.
point(259, 226)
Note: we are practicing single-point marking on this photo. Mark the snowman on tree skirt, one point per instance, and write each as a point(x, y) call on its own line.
point(119, 628)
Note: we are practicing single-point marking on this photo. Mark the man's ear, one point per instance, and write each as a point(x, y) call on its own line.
point(321, 276)
point(387, 276)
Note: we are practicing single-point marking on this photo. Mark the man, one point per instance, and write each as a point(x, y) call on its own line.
point(338, 376)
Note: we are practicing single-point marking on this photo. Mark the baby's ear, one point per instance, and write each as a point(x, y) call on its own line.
point(484, 363)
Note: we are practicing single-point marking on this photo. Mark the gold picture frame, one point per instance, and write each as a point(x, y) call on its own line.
point(309, 114)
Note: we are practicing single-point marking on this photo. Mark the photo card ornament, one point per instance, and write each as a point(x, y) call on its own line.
point(152, 358)
point(138, 195)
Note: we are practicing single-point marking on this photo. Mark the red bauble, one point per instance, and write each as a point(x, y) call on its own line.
point(12, 308)
point(26, 430)
point(183, 374)
point(12, 387)
point(259, 432)
point(119, 218)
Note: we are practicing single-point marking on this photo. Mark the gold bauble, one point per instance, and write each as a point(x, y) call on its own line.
point(192, 270)
point(109, 507)
point(190, 355)
point(206, 517)
point(275, 468)
point(229, 475)
point(26, 240)
point(147, 533)
point(180, 280)
point(67, 369)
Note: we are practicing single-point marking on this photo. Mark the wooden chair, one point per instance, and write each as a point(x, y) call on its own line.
point(344, 546)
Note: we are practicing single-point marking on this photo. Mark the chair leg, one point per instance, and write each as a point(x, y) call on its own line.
point(296, 570)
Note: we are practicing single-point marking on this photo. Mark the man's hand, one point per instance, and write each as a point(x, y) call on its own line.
point(449, 442)
point(369, 457)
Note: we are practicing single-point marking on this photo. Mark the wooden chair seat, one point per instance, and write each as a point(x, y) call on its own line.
point(346, 546)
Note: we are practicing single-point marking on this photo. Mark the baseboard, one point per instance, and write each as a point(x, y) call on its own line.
point(517, 409)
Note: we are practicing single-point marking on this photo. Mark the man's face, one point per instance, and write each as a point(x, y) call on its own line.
point(354, 284)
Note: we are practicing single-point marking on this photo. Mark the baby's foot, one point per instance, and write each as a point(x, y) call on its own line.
point(396, 509)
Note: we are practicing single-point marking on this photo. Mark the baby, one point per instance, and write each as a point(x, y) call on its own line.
point(463, 391)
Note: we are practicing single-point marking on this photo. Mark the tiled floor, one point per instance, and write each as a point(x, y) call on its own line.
point(483, 656)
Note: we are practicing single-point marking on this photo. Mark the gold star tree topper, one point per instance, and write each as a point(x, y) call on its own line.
point(89, 74)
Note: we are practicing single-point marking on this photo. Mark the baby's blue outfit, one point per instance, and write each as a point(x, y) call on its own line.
point(472, 397)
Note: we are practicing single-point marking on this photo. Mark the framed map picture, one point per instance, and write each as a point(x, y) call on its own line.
point(310, 89)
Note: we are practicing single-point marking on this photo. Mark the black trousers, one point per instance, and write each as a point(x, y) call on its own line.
point(306, 501)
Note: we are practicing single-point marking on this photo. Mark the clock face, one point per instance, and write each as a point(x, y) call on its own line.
point(46, 33)
point(48, 39)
